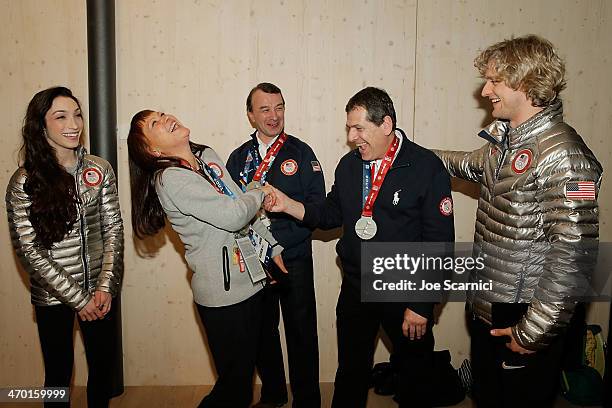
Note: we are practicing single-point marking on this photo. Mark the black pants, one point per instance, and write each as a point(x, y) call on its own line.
point(56, 333)
point(358, 324)
point(296, 294)
point(233, 335)
point(534, 385)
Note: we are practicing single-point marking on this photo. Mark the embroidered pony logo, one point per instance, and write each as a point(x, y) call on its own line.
point(396, 197)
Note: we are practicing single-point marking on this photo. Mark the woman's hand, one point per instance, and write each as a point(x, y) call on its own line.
point(103, 301)
point(278, 260)
point(90, 312)
point(270, 198)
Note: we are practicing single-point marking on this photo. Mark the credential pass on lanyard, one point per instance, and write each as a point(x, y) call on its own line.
point(264, 166)
point(366, 226)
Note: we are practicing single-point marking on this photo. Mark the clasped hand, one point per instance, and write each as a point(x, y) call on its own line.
point(97, 307)
point(275, 200)
point(270, 198)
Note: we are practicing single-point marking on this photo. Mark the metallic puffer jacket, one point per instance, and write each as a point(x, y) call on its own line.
point(90, 257)
point(529, 233)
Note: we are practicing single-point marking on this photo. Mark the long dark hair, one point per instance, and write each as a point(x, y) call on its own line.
point(148, 216)
point(51, 188)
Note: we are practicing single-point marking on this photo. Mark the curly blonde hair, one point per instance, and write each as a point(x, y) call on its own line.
point(528, 63)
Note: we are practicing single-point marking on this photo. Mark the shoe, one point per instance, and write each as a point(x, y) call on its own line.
point(263, 404)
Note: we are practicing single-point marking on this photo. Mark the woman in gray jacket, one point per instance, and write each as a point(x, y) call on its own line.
point(66, 228)
point(189, 185)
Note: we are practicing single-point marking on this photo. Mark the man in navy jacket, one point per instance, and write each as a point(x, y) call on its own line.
point(413, 205)
point(289, 164)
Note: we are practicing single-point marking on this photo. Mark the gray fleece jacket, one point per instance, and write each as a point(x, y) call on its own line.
point(206, 221)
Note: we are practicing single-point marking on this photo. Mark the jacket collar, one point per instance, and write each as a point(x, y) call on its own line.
point(402, 158)
point(255, 139)
point(499, 130)
point(80, 152)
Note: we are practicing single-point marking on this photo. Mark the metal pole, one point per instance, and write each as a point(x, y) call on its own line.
point(102, 79)
point(103, 123)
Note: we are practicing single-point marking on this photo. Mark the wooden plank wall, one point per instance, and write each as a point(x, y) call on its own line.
point(198, 59)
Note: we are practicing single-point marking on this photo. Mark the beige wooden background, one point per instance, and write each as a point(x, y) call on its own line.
point(198, 59)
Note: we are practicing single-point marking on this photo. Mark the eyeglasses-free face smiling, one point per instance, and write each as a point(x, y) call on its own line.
point(371, 140)
point(63, 125)
point(508, 104)
point(268, 115)
point(165, 134)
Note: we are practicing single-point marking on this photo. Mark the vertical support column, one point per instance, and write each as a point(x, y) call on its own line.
point(103, 119)
point(102, 79)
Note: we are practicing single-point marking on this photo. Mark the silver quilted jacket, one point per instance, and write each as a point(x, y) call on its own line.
point(530, 234)
point(90, 257)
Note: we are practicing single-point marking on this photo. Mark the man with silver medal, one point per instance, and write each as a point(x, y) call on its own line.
point(388, 189)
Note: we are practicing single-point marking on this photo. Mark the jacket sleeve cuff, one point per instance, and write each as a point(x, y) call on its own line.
point(277, 249)
point(80, 305)
point(523, 339)
point(423, 309)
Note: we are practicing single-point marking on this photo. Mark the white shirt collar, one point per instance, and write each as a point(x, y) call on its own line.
point(263, 148)
point(376, 163)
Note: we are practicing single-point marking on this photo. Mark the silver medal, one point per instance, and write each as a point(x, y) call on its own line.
point(366, 228)
point(253, 185)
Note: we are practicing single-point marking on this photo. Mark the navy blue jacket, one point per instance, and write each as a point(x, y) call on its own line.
point(306, 185)
point(416, 217)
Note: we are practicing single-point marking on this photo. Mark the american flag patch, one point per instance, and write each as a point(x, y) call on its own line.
point(580, 190)
point(315, 165)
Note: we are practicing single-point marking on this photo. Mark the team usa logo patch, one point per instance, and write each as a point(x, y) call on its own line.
point(522, 161)
point(446, 206)
point(216, 168)
point(92, 177)
point(289, 167)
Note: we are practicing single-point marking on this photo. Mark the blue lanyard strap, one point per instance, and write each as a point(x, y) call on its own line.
point(221, 186)
point(367, 182)
point(250, 165)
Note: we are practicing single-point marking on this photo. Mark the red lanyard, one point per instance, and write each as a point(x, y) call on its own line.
point(270, 156)
point(385, 165)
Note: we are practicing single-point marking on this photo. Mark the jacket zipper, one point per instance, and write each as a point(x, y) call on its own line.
point(82, 233)
point(522, 275)
point(499, 165)
point(226, 269)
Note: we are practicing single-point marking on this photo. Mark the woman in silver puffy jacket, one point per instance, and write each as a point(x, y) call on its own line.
point(66, 228)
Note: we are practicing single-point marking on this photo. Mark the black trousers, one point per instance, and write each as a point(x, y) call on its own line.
point(534, 385)
point(56, 333)
point(296, 295)
point(233, 336)
point(358, 324)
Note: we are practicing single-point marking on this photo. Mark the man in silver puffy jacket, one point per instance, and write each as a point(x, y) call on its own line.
point(536, 222)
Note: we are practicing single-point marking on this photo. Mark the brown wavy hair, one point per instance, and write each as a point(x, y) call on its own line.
point(52, 190)
point(529, 64)
point(148, 216)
